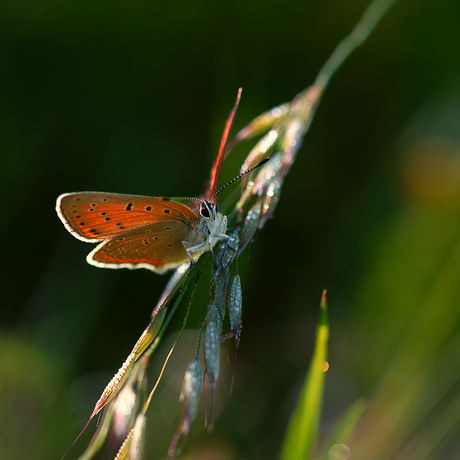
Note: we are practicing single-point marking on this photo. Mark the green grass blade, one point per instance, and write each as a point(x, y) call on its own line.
point(302, 435)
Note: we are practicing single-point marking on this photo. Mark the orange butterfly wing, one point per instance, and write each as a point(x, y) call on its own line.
point(156, 246)
point(96, 216)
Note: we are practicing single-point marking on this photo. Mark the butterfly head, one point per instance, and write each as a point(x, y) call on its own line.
point(208, 210)
point(210, 228)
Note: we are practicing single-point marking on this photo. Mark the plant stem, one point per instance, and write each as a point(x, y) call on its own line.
point(372, 15)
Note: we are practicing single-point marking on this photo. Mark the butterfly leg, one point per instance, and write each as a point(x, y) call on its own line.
point(187, 250)
point(192, 259)
point(191, 249)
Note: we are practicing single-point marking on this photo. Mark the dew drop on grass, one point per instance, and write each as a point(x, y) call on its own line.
point(339, 452)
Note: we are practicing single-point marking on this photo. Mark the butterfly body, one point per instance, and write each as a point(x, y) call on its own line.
point(141, 232)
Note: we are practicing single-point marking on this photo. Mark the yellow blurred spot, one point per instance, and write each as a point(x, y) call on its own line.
point(325, 366)
point(214, 451)
point(431, 171)
point(339, 452)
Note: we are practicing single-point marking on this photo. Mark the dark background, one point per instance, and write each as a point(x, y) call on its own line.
point(132, 98)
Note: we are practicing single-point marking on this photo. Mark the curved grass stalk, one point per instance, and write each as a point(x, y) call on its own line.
point(286, 126)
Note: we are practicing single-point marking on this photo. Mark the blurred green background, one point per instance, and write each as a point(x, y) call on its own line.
point(132, 98)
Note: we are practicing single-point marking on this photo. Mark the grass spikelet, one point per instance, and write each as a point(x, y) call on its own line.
point(212, 345)
point(258, 126)
point(235, 305)
point(250, 226)
point(133, 446)
point(118, 420)
point(189, 398)
point(120, 377)
point(212, 335)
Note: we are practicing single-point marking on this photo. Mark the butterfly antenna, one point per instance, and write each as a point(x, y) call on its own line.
point(182, 198)
point(258, 165)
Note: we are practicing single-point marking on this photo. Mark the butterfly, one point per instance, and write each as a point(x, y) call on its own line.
point(144, 232)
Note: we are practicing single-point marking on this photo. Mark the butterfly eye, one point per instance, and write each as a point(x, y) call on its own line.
point(204, 211)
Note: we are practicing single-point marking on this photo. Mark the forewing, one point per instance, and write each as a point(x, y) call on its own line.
point(157, 246)
point(95, 216)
